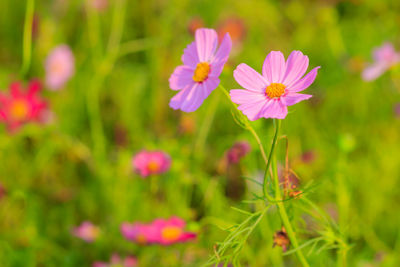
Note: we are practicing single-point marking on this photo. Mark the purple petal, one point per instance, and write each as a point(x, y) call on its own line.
point(190, 57)
point(274, 67)
point(190, 98)
point(250, 79)
point(373, 71)
point(305, 82)
point(210, 84)
point(223, 50)
point(206, 43)
point(239, 96)
point(181, 77)
point(293, 98)
point(296, 66)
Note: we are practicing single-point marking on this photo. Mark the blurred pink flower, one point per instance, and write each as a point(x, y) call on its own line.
point(269, 94)
point(59, 66)
point(160, 231)
point(139, 233)
point(238, 151)
point(87, 231)
point(384, 58)
point(129, 261)
point(151, 162)
point(198, 77)
point(18, 107)
point(396, 109)
point(99, 5)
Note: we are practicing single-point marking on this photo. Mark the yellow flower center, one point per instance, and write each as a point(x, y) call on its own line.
point(171, 233)
point(153, 166)
point(275, 90)
point(201, 72)
point(19, 110)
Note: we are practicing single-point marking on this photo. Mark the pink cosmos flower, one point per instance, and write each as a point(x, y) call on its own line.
point(160, 231)
point(384, 58)
point(116, 260)
point(269, 94)
point(19, 107)
point(59, 66)
point(139, 233)
point(172, 231)
point(198, 77)
point(87, 231)
point(238, 151)
point(151, 162)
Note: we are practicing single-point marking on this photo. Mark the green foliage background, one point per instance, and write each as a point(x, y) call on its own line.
point(79, 167)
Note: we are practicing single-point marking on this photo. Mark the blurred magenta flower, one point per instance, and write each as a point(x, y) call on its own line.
point(19, 107)
point(116, 260)
point(238, 151)
point(139, 233)
point(269, 94)
point(198, 77)
point(151, 162)
point(384, 58)
point(59, 66)
point(172, 231)
point(87, 231)
point(160, 231)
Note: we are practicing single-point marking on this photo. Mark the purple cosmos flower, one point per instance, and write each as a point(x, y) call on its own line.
point(203, 64)
point(60, 66)
point(384, 58)
point(269, 94)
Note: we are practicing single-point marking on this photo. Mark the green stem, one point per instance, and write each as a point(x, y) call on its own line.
point(281, 206)
point(27, 38)
point(271, 152)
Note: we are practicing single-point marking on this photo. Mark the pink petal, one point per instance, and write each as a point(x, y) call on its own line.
point(276, 110)
point(189, 99)
point(190, 57)
point(373, 71)
point(293, 98)
point(296, 66)
point(274, 67)
point(305, 82)
point(181, 77)
point(223, 50)
point(250, 79)
point(210, 84)
point(252, 110)
point(239, 96)
point(206, 43)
